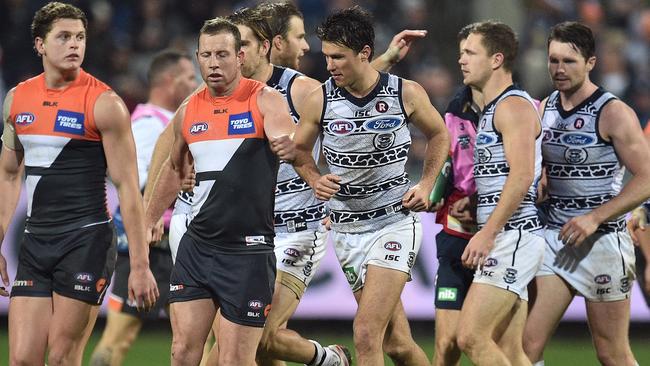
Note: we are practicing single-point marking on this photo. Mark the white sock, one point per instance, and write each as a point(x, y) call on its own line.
point(539, 363)
point(319, 356)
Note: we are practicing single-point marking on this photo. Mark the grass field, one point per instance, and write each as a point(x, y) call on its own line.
point(570, 347)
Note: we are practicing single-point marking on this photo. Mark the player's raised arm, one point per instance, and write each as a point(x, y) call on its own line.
point(397, 49)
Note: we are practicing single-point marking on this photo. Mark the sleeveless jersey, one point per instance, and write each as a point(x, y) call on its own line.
point(491, 169)
point(65, 165)
point(296, 206)
point(235, 170)
point(366, 142)
point(583, 169)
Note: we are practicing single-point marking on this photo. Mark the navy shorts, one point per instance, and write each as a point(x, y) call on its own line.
point(452, 280)
point(76, 264)
point(160, 262)
point(241, 284)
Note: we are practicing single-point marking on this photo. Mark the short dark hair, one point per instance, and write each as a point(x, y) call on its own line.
point(278, 16)
point(51, 12)
point(464, 32)
point(498, 38)
point(351, 28)
point(254, 20)
point(163, 61)
point(221, 25)
point(577, 34)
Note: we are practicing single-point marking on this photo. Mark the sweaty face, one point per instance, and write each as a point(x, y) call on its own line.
point(184, 80)
point(64, 46)
point(474, 61)
point(567, 67)
point(218, 60)
point(343, 63)
point(252, 49)
point(294, 46)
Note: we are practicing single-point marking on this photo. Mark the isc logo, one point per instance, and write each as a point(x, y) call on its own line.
point(341, 127)
point(198, 128)
point(24, 119)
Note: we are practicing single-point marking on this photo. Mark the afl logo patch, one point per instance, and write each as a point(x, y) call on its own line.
point(24, 119)
point(383, 124)
point(393, 246)
point(198, 128)
point(255, 304)
point(341, 127)
point(603, 279)
point(381, 106)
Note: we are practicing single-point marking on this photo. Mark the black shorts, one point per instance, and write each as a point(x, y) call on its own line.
point(160, 262)
point(77, 264)
point(452, 280)
point(240, 284)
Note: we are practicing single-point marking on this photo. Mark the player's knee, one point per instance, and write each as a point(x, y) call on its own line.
point(533, 346)
point(59, 357)
point(182, 349)
point(24, 360)
point(467, 341)
point(446, 344)
point(367, 339)
point(399, 347)
point(609, 355)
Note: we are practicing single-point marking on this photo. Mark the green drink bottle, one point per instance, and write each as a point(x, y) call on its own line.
point(439, 188)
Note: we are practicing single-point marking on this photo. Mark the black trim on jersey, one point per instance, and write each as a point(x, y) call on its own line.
point(462, 106)
point(361, 102)
point(597, 122)
point(401, 101)
point(322, 113)
point(413, 243)
point(590, 99)
point(290, 98)
point(276, 75)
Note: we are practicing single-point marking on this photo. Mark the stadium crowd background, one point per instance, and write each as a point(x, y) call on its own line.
point(125, 34)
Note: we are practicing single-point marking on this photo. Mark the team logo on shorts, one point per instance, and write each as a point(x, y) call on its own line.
point(602, 279)
point(198, 128)
point(511, 276)
point(308, 267)
point(411, 261)
point(24, 119)
point(393, 246)
point(625, 284)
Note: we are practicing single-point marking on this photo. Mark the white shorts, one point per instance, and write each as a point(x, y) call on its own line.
point(177, 228)
point(513, 262)
point(395, 246)
point(300, 254)
point(601, 269)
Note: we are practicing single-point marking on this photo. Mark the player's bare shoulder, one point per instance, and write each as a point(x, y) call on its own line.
point(413, 96)
point(110, 111)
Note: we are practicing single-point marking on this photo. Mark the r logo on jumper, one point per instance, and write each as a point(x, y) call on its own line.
point(69, 122)
point(241, 124)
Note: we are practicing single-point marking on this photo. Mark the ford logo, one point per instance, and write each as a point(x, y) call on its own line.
point(602, 279)
point(198, 128)
point(577, 139)
point(483, 139)
point(383, 124)
point(341, 127)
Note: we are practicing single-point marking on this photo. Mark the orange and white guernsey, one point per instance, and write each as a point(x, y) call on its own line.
point(65, 164)
point(235, 170)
